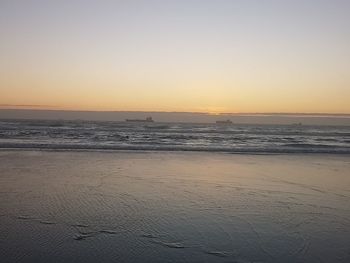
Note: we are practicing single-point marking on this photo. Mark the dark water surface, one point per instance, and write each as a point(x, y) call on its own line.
point(34, 134)
point(173, 207)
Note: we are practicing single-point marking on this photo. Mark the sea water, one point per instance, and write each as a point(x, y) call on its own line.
point(235, 138)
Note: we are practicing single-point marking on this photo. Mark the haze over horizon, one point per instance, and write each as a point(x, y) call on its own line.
point(177, 117)
point(176, 56)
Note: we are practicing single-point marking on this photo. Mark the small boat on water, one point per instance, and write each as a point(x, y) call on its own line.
point(224, 122)
point(148, 119)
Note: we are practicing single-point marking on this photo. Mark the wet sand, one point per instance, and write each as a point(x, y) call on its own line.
point(173, 207)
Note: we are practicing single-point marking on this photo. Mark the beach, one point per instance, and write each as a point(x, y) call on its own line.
point(149, 206)
point(179, 131)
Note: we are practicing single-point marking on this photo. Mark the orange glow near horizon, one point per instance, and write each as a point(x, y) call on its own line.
point(184, 97)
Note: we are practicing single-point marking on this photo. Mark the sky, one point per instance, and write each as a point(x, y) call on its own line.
point(214, 56)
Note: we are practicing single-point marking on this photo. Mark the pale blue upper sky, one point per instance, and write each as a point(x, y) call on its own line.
point(195, 55)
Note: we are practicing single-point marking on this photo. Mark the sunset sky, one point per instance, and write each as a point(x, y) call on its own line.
point(180, 55)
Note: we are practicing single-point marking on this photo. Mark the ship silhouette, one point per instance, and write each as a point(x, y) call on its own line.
point(224, 122)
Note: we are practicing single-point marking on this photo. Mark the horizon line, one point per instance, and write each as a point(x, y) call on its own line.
point(316, 114)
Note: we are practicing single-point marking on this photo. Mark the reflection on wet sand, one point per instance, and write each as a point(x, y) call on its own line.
point(173, 207)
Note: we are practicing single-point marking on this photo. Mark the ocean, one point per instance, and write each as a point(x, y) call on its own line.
point(235, 138)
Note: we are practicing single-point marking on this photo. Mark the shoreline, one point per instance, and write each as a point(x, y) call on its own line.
point(140, 150)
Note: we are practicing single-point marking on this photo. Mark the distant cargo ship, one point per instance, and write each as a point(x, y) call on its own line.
point(224, 122)
point(148, 119)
